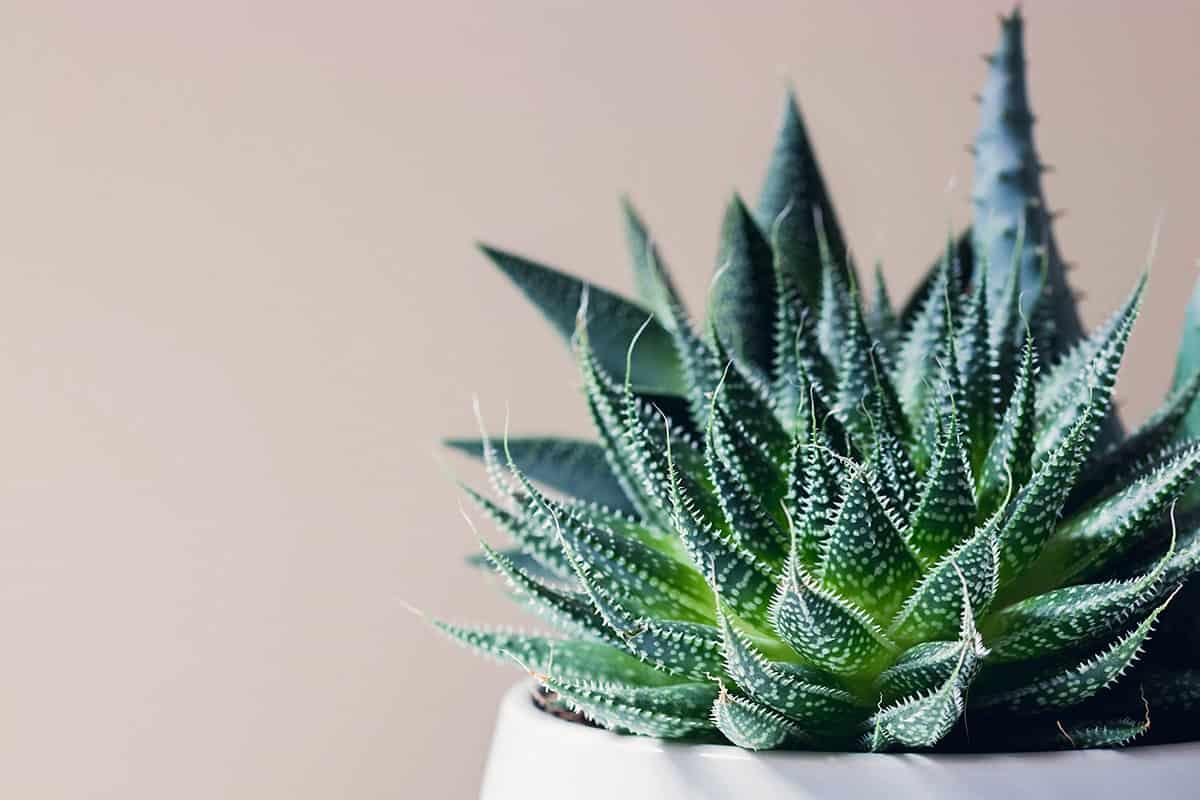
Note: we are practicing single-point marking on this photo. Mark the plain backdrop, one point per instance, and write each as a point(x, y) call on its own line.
point(240, 303)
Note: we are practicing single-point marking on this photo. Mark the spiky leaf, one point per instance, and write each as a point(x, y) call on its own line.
point(748, 724)
point(812, 706)
point(1008, 193)
point(743, 290)
point(936, 606)
point(557, 295)
point(1090, 541)
point(650, 277)
point(827, 631)
point(946, 512)
point(1069, 617)
point(1077, 683)
point(921, 721)
point(1009, 462)
point(570, 659)
point(576, 467)
point(793, 189)
point(661, 711)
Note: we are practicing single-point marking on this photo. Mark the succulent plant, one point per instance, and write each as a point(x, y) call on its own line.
point(815, 521)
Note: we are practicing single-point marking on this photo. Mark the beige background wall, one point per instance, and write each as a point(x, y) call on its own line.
point(239, 304)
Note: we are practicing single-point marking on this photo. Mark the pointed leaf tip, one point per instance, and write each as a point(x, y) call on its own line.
point(557, 296)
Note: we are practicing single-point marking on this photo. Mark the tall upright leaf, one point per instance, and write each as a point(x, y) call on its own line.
point(794, 185)
point(557, 295)
point(1008, 192)
point(743, 298)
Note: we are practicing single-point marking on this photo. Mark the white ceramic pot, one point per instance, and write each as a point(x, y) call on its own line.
point(536, 756)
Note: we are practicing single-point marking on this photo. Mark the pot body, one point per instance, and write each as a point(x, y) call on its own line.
point(535, 756)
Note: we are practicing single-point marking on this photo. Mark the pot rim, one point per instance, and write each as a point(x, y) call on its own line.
point(518, 702)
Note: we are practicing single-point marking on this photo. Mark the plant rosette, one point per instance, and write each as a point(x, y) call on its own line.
point(820, 524)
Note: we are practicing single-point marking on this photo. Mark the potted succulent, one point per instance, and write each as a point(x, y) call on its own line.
point(821, 527)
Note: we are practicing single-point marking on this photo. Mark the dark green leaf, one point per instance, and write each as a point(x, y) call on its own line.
point(569, 659)
point(814, 707)
point(576, 467)
point(742, 300)
point(794, 189)
point(829, 632)
point(558, 296)
point(936, 606)
point(748, 724)
point(1077, 683)
point(1009, 462)
point(866, 558)
point(1008, 195)
point(650, 277)
point(666, 712)
point(946, 513)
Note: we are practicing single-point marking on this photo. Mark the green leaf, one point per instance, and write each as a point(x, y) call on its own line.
point(858, 374)
point(557, 295)
point(797, 350)
point(702, 369)
point(923, 346)
point(1009, 462)
point(946, 512)
point(576, 467)
point(562, 608)
point(1062, 398)
point(1075, 684)
point(521, 560)
point(943, 397)
point(814, 707)
point(827, 631)
point(743, 290)
point(626, 428)
point(644, 578)
point(1083, 735)
point(924, 719)
point(1009, 328)
point(606, 408)
point(916, 302)
point(665, 712)
point(793, 190)
point(527, 533)
point(889, 457)
point(688, 649)
point(736, 466)
point(978, 378)
point(936, 607)
point(1105, 734)
point(1034, 513)
point(1102, 474)
point(621, 525)
point(650, 276)
point(1087, 543)
point(834, 319)
point(921, 669)
point(745, 399)
point(1069, 617)
point(814, 491)
point(755, 465)
point(1187, 362)
point(748, 724)
point(739, 576)
point(639, 449)
point(1008, 195)
point(881, 321)
point(867, 559)
point(570, 659)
